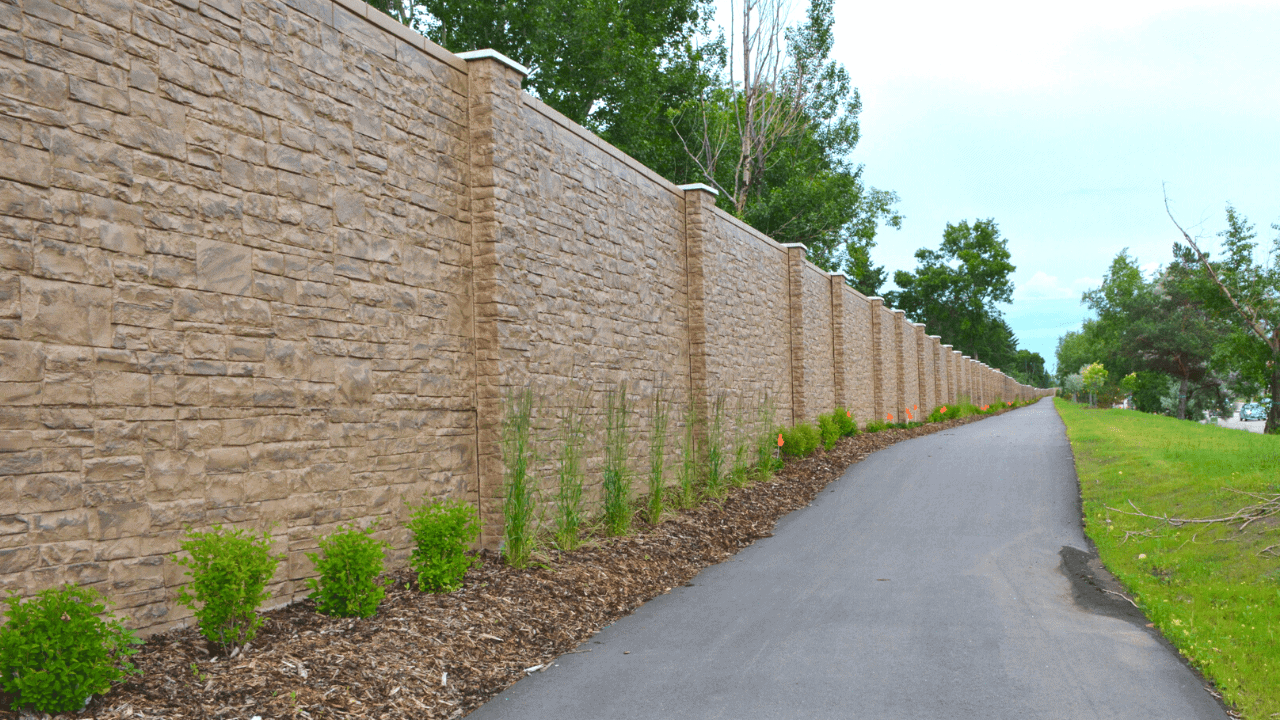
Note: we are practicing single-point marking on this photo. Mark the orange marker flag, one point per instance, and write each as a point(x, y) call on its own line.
point(846, 414)
point(909, 415)
point(944, 408)
point(890, 417)
point(779, 439)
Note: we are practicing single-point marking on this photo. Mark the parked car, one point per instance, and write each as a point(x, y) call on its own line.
point(1253, 411)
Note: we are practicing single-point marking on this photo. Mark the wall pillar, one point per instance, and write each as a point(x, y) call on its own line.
point(879, 394)
point(699, 202)
point(795, 293)
point(840, 385)
point(924, 387)
point(900, 367)
point(493, 111)
point(939, 371)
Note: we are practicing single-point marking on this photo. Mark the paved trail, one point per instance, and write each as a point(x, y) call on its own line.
point(925, 583)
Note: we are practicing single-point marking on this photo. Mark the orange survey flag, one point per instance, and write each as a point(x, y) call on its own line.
point(846, 414)
point(944, 408)
point(890, 417)
point(909, 415)
point(779, 439)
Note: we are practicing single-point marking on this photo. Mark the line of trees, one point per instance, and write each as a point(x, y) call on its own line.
point(761, 113)
point(1191, 336)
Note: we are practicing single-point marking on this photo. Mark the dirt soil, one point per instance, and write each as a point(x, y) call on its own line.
point(442, 656)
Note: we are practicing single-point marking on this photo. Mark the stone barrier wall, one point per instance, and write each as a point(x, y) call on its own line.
point(277, 264)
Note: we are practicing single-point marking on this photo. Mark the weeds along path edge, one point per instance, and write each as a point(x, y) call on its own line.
point(441, 656)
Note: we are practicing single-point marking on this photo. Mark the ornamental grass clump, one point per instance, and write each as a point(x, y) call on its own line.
point(617, 476)
point(349, 563)
point(686, 490)
point(442, 530)
point(55, 652)
point(519, 504)
point(229, 571)
point(767, 460)
point(740, 475)
point(569, 516)
point(713, 482)
point(657, 456)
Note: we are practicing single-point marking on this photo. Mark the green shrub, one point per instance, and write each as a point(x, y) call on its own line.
point(229, 571)
point(519, 503)
point(844, 418)
point(441, 531)
point(876, 426)
point(55, 651)
point(800, 441)
point(349, 563)
point(829, 429)
point(616, 480)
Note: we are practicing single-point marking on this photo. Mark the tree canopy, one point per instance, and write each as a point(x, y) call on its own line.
point(954, 291)
point(651, 78)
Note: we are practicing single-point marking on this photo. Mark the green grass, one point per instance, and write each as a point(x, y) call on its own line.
point(1213, 589)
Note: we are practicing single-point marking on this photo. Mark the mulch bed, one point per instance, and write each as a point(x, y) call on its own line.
point(442, 656)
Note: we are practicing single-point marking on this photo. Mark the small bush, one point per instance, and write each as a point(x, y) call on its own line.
point(229, 571)
point(441, 531)
point(800, 441)
point(349, 563)
point(848, 426)
point(55, 652)
point(829, 429)
point(876, 426)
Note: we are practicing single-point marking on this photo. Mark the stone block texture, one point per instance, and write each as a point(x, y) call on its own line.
point(278, 265)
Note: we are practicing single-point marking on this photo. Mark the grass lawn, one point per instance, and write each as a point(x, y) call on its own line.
point(1213, 588)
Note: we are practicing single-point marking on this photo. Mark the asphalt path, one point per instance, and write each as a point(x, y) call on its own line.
point(929, 581)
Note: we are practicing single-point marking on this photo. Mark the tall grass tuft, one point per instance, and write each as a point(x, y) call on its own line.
point(767, 460)
point(520, 504)
point(657, 456)
point(686, 495)
point(617, 478)
point(740, 475)
point(568, 510)
point(713, 483)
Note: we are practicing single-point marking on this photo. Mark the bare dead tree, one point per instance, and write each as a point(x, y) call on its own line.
point(742, 124)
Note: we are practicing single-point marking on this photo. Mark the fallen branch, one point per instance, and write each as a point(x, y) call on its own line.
point(1268, 508)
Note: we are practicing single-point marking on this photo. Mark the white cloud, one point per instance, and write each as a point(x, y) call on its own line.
point(1043, 286)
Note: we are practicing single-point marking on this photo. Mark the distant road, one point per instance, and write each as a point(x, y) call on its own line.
point(1254, 426)
point(927, 583)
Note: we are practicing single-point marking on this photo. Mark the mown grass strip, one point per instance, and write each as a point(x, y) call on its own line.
point(1212, 588)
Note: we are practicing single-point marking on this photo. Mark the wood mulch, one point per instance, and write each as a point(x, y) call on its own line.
point(442, 656)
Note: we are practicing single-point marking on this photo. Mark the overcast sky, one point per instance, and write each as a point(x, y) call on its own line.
point(1061, 121)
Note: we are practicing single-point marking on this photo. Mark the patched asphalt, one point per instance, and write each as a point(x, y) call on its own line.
point(944, 577)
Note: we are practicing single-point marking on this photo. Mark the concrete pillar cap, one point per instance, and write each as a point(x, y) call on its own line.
point(494, 54)
point(699, 186)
